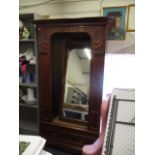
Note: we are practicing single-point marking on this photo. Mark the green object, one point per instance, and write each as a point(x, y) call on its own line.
point(31, 30)
point(23, 146)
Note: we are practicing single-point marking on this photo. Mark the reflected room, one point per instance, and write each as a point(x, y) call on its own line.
point(77, 84)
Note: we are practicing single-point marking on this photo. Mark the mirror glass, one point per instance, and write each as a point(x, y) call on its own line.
point(77, 81)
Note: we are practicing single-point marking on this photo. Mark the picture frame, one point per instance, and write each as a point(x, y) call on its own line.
point(119, 13)
point(131, 18)
point(34, 144)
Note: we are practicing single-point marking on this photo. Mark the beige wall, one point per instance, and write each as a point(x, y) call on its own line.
point(81, 8)
point(70, 8)
point(120, 46)
point(110, 3)
point(63, 9)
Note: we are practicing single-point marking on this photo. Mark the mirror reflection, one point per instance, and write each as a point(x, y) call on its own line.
point(76, 96)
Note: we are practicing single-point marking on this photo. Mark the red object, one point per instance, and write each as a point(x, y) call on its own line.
point(96, 147)
point(23, 64)
point(23, 68)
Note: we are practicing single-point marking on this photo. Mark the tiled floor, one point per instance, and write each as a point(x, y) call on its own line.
point(56, 152)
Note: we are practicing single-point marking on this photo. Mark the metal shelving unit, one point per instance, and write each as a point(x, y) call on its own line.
point(29, 104)
point(29, 109)
point(26, 40)
point(28, 127)
point(120, 130)
point(28, 84)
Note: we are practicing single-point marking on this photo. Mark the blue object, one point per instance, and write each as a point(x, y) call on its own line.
point(117, 33)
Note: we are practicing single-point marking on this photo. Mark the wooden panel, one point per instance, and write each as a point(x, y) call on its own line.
point(94, 21)
point(96, 87)
point(95, 121)
point(44, 87)
point(97, 69)
point(45, 113)
point(44, 79)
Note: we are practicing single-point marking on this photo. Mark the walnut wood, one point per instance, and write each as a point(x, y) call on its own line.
point(52, 70)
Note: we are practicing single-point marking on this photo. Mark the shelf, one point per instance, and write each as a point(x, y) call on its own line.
point(34, 64)
point(27, 132)
point(26, 40)
point(26, 16)
point(76, 107)
point(27, 84)
point(28, 110)
point(28, 125)
point(67, 124)
point(29, 105)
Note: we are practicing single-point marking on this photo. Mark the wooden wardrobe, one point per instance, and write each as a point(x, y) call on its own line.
point(70, 90)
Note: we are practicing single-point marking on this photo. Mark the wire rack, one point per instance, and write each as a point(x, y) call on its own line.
point(120, 131)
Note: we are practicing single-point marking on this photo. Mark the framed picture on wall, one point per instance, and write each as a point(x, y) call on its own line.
point(131, 18)
point(119, 13)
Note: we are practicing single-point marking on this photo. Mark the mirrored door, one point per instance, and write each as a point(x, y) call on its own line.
point(72, 61)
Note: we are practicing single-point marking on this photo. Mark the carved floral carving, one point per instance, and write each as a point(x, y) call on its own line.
point(95, 32)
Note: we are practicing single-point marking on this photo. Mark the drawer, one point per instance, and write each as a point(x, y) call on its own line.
point(67, 136)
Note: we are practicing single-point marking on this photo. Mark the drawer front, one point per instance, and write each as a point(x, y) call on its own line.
point(66, 136)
